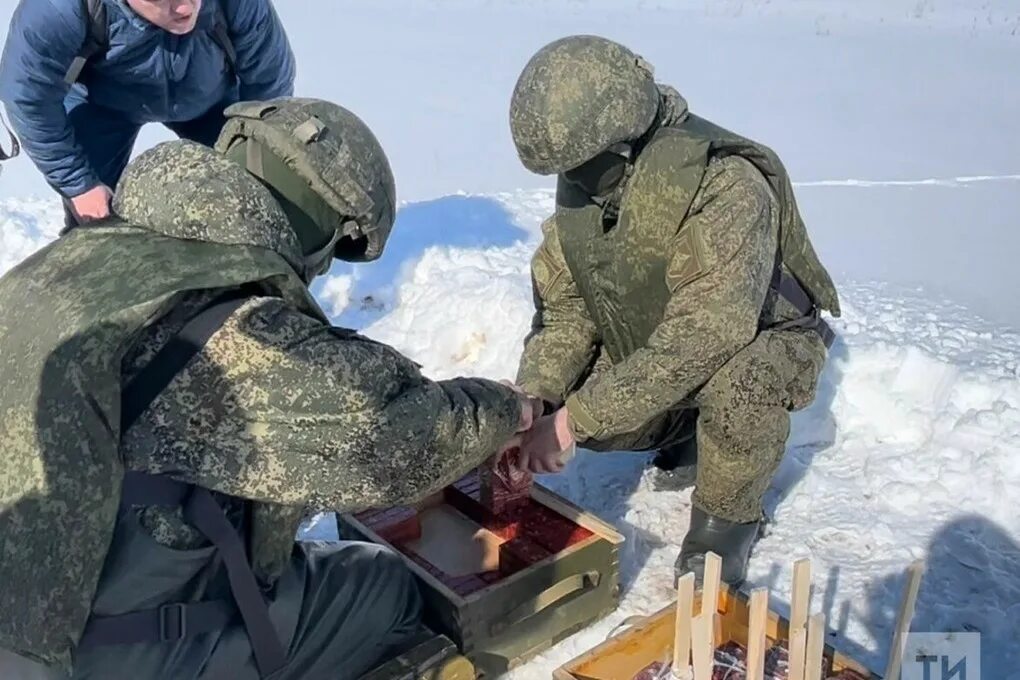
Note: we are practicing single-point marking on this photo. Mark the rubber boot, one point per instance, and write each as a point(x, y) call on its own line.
point(677, 464)
point(729, 540)
point(683, 453)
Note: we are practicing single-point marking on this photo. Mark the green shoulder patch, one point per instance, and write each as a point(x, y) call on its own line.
point(688, 261)
point(545, 270)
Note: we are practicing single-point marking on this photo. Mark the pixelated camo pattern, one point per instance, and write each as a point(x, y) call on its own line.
point(66, 319)
point(672, 293)
point(279, 407)
point(184, 190)
point(576, 97)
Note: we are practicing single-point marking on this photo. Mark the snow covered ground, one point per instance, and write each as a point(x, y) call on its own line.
point(899, 122)
point(909, 451)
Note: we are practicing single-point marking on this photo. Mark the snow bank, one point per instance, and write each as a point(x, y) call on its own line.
point(26, 226)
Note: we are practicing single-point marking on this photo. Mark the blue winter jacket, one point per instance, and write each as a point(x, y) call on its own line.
point(148, 75)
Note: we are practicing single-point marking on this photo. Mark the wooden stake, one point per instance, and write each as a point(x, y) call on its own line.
point(710, 588)
point(801, 594)
point(701, 647)
point(798, 652)
point(710, 596)
point(756, 640)
point(682, 635)
point(815, 647)
point(915, 571)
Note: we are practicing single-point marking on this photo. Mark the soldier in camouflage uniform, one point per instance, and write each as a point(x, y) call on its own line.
point(275, 412)
point(677, 293)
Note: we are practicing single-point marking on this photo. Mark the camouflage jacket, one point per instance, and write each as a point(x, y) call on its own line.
point(283, 408)
point(280, 408)
point(632, 318)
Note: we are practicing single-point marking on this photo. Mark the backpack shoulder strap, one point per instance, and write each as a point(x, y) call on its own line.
point(143, 389)
point(15, 145)
point(221, 35)
point(171, 622)
point(97, 39)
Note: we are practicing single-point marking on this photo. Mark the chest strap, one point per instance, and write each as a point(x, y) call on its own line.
point(174, 621)
point(790, 289)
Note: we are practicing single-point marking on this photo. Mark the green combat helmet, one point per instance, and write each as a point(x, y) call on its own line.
point(578, 97)
point(325, 168)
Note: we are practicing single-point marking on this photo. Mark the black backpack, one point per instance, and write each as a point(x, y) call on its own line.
point(97, 38)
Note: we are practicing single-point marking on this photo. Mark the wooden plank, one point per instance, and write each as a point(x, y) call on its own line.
point(800, 602)
point(575, 514)
point(682, 634)
point(756, 639)
point(710, 599)
point(915, 572)
point(710, 587)
point(701, 647)
point(815, 647)
point(798, 653)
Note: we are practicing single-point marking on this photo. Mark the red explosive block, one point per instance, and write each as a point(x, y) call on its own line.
point(507, 528)
point(504, 488)
point(491, 576)
point(518, 554)
point(468, 483)
point(398, 525)
point(467, 503)
point(550, 530)
point(426, 565)
point(366, 517)
point(464, 585)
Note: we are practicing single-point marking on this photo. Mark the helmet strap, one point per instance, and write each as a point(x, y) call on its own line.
point(317, 263)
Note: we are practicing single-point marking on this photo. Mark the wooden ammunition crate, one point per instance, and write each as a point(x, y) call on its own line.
point(626, 654)
point(499, 619)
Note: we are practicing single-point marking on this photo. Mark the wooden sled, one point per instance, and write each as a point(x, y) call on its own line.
point(671, 638)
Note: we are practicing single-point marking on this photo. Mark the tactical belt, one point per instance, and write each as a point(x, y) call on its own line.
point(174, 621)
point(790, 289)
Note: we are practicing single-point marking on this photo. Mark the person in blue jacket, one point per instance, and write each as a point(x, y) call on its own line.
point(80, 77)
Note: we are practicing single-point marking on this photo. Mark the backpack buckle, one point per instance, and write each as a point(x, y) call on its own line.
point(172, 622)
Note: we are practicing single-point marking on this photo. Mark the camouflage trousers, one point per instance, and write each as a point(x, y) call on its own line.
point(742, 421)
point(339, 609)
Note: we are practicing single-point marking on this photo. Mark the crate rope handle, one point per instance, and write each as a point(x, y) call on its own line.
point(586, 581)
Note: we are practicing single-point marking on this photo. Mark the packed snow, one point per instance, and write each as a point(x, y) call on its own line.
point(898, 121)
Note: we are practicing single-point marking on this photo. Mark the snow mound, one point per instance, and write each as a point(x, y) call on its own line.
point(25, 227)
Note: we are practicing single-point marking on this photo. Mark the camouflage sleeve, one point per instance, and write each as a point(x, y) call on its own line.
point(279, 407)
point(563, 338)
point(719, 274)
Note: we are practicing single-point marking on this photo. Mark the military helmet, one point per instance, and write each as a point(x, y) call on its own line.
point(577, 97)
point(326, 168)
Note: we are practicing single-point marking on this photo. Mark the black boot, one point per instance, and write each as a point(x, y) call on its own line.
point(677, 464)
point(681, 454)
point(729, 540)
